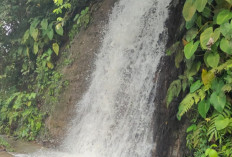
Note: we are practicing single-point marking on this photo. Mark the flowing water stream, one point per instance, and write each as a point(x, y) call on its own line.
point(114, 117)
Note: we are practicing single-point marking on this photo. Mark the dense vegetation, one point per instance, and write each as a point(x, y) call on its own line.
point(31, 35)
point(206, 51)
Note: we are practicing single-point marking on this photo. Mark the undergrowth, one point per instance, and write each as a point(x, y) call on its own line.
point(206, 51)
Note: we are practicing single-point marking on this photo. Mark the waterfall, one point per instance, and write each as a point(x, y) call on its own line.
point(114, 117)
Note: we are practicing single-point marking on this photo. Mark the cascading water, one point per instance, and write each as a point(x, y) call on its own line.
point(114, 118)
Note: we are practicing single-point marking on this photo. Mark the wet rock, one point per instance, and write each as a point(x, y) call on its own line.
point(169, 133)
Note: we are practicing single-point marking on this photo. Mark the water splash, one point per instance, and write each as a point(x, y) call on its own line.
point(114, 118)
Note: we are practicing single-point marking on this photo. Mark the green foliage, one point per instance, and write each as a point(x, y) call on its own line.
point(208, 76)
point(31, 36)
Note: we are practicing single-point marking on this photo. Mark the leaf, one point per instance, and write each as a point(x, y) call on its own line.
point(173, 91)
point(223, 16)
point(206, 12)
point(44, 24)
point(216, 34)
point(221, 122)
point(55, 48)
point(179, 58)
point(34, 32)
point(26, 36)
point(189, 24)
point(173, 48)
point(59, 29)
point(205, 36)
point(50, 65)
point(218, 101)
point(191, 128)
point(207, 77)
point(229, 1)
point(226, 46)
point(200, 5)
point(203, 108)
point(226, 30)
point(190, 49)
point(195, 86)
point(213, 59)
point(28, 103)
point(36, 47)
point(191, 34)
point(50, 34)
point(211, 153)
point(188, 10)
point(194, 69)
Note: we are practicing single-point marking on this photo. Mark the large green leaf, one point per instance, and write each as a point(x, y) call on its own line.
point(189, 10)
point(190, 49)
point(200, 5)
point(55, 48)
point(195, 86)
point(223, 16)
point(216, 34)
point(211, 152)
point(218, 100)
point(191, 34)
point(226, 46)
point(209, 37)
point(203, 108)
point(213, 59)
point(226, 30)
point(59, 29)
point(221, 122)
point(205, 36)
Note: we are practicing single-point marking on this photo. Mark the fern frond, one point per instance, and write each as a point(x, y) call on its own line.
point(190, 100)
point(173, 91)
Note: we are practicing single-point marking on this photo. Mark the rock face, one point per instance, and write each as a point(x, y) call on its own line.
point(83, 49)
point(169, 133)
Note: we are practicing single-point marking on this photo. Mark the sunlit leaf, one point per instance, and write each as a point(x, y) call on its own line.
point(224, 16)
point(213, 59)
point(200, 5)
point(203, 108)
point(226, 46)
point(190, 49)
point(59, 29)
point(189, 10)
point(55, 48)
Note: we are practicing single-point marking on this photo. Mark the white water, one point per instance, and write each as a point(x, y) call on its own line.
point(114, 118)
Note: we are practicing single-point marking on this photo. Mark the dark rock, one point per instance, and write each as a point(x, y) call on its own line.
point(169, 133)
